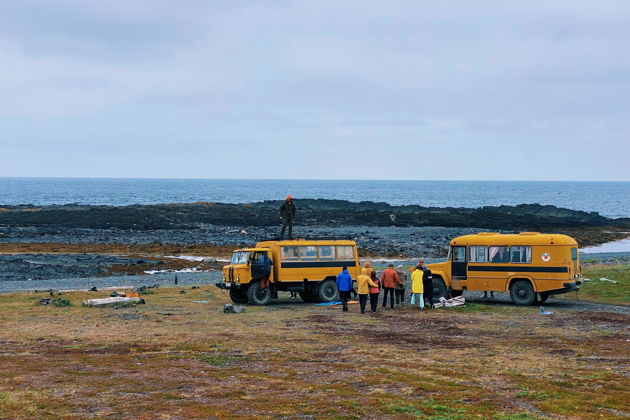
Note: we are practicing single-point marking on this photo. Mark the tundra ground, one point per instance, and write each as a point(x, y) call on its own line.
point(177, 358)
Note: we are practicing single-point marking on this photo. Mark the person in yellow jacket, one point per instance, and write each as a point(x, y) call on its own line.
point(417, 287)
point(363, 285)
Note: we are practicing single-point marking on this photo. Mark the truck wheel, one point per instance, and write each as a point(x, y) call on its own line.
point(238, 295)
point(328, 291)
point(522, 293)
point(439, 289)
point(308, 297)
point(257, 295)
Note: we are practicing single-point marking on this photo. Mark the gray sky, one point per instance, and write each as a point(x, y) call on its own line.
point(500, 90)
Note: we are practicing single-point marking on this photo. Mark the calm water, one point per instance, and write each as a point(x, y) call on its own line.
point(610, 199)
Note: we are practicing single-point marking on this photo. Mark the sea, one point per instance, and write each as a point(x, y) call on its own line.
point(610, 199)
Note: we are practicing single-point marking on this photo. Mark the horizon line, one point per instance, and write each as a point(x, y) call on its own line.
point(307, 179)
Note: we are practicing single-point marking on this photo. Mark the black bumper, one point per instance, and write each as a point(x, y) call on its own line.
point(568, 287)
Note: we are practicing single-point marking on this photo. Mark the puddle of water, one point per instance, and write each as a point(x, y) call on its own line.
point(617, 246)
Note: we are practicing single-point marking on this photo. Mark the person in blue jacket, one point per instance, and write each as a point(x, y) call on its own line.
point(344, 286)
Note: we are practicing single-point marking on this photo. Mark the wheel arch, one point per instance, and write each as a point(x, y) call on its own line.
point(516, 278)
point(442, 275)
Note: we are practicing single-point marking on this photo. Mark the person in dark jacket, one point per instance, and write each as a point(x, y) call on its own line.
point(287, 214)
point(427, 282)
point(344, 286)
point(264, 284)
point(400, 287)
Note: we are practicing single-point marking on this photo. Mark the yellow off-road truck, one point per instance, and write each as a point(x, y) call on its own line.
point(530, 266)
point(309, 267)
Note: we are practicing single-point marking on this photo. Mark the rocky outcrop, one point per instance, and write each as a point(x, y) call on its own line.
point(318, 212)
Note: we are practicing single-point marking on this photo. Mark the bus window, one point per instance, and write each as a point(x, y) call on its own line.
point(521, 254)
point(288, 253)
point(326, 252)
point(308, 253)
point(478, 254)
point(574, 254)
point(459, 254)
point(345, 253)
point(498, 254)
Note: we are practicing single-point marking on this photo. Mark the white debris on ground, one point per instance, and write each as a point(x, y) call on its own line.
point(183, 270)
point(112, 301)
point(608, 280)
point(186, 257)
point(456, 301)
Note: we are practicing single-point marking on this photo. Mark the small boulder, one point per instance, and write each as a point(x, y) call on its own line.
point(229, 308)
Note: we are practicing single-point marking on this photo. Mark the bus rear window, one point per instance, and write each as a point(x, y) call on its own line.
point(345, 253)
point(574, 254)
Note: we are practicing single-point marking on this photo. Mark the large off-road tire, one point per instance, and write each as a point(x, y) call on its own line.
point(522, 292)
point(256, 295)
point(439, 289)
point(238, 295)
point(328, 291)
point(308, 297)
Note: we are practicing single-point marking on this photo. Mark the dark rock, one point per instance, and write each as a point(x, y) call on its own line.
point(229, 308)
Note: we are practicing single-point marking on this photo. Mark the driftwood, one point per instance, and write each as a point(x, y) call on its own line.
point(456, 301)
point(113, 301)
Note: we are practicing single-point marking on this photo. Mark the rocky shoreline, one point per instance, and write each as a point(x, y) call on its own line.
point(311, 212)
point(131, 239)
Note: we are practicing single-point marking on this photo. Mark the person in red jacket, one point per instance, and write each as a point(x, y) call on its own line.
point(374, 291)
point(389, 280)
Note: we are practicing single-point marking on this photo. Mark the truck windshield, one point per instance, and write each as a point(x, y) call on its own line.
point(240, 257)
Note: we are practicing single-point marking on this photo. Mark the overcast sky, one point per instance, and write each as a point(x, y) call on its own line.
point(500, 90)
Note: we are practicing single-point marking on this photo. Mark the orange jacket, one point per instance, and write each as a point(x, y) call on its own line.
point(390, 278)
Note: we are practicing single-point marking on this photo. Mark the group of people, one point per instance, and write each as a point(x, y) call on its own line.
point(392, 281)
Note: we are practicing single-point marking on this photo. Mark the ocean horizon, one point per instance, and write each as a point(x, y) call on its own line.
point(609, 198)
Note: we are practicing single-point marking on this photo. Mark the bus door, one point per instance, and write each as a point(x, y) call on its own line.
point(258, 265)
point(458, 263)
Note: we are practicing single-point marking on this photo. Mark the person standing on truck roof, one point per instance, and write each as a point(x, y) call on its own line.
point(374, 291)
point(344, 285)
point(400, 287)
point(264, 283)
point(389, 280)
point(363, 285)
point(287, 214)
point(417, 287)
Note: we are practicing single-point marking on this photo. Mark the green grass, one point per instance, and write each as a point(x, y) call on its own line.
point(603, 291)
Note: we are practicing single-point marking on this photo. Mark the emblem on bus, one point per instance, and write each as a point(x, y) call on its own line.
point(546, 257)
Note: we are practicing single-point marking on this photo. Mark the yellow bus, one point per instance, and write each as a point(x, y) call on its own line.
point(309, 267)
point(530, 266)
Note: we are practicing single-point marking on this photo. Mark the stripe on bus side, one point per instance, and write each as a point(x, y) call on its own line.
point(518, 269)
point(317, 264)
